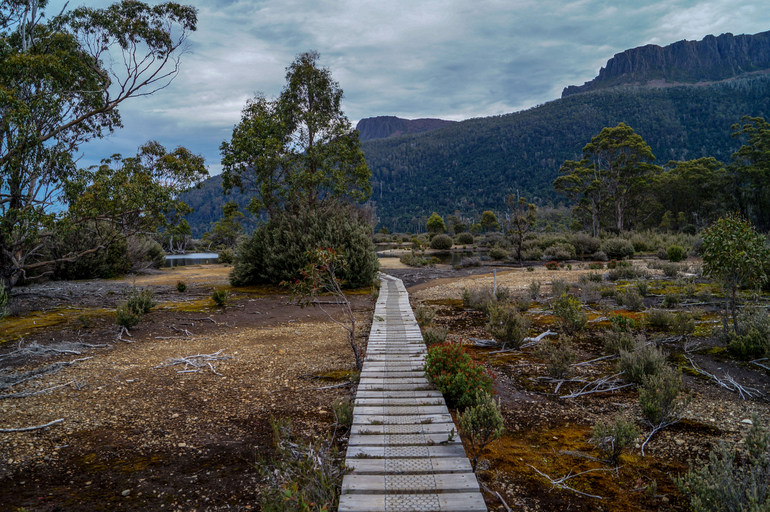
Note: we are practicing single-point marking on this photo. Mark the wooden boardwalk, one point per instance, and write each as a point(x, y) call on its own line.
point(404, 449)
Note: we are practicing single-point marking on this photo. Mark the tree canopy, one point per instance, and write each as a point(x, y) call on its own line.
point(298, 150)
point(61, 81)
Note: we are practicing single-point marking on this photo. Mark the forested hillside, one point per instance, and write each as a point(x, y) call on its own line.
point(471, 166)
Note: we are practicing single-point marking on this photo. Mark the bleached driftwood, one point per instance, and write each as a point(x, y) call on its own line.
point(24, 394)
point(196, 363)
point(600, 385)
point(559, 483)
point(36, 427)
point(727, 382)
point(8, 381)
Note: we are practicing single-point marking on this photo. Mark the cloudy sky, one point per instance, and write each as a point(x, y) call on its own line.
point(451, 59)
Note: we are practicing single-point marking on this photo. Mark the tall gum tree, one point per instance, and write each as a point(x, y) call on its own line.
point(61, 81)
point(298, 151)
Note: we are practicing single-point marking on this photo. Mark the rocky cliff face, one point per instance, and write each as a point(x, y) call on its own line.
point(390, 126)
point(712, 59)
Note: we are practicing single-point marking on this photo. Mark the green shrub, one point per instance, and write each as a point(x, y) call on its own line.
point(140, 301)
point(456, 375)
point(684, 323)
point(220, 297)
point(675, 253)
point(643, 287)
point(534, 289)
point(670, 269)
point(569, 312)
point(625, 272)
point(558, 356)
point(113, 261)
point(559, 287)
point(302, 477)
point(481, 423)
point(465, 238)
point(226, 256)
point(434, 335)
point(560, 252)
point(622, 323)
point(181, 287)
point(506, 325)
point(591, 277)
point(732, 480)
point(584, 244)
point(126, 317)
point(753, 337)
point(414, 260)
point(343, 411)
point(278, 249)
point(552, 265)
point(424, 315)
point(612, 438)
point(671, 300)
point(591, 292)
point(441, 242)
point(660, 319)
point(643, 361)
point(631, 299)
point(532, 254)
point(596, 266)
point(497, 253)
point(470, 261)
point(615, 342)
point(618, 248)
point(522, 302)
point(478, 298)
point(659, 397)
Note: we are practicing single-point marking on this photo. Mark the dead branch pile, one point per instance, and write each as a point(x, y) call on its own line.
point(9, 380)
point(196, 363)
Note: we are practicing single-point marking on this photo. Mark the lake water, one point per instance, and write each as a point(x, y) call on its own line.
point(194, 258)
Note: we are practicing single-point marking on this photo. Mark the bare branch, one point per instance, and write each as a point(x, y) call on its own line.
point(27, 429)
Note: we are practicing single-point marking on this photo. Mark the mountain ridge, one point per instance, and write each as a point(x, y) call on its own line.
point(381, 127)
point(712, 59)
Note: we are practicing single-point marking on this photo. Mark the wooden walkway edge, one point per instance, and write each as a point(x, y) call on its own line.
point(404, 449)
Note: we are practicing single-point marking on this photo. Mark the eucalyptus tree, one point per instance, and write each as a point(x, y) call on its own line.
point(615, 170)
point(62, 78)
point(750, 170)
point(299, 151)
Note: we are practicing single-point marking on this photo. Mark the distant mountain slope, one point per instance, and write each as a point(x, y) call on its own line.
point(711, 59)
point(390, 126)
point(471, 166)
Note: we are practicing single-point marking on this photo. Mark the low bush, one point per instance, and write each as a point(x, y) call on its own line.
point(559, 287)
point(220, 297)
point(584, 244)
point(560, 252)
point(416, 260)
point(434, 336)
point(599, 256)
point(683, 324)
point(660, 319)
point(618, 248)
point(596, 266)
point(465, 238)
point(424, 315)
point(126, 317)
point(181, 287)
point(441, 242)
point(522, 302)
point(569, 312)
point(643, 286)
point(558, 356)
point(140, 301)
point(456, 375)
point(591, 292)
point(481, 423)
point(497, 253)
point(671, 300)
point(631, 299)
point(622, 323)
point(506, 325)
point(659, 397)
point(626, 272)
point(591, 277)
point(532, 254)
point(643, 361)
point(732, 480)
point(670, 269)
point(343, 411)
point(675, 253)
point(615, 342)
point(226, 256)
point(279, 249)
point(612, 438)
point(552, 265)
point(752, 340)
point(470, 261)
point(534, 289)
point(302, 476)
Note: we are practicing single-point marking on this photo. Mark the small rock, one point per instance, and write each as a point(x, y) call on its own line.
point(126, 492)
point(175, 415)
point(747, 421)
point(679, 442)
point(182, 445)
